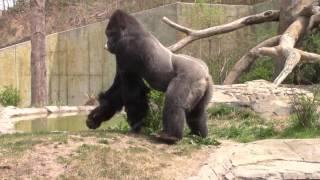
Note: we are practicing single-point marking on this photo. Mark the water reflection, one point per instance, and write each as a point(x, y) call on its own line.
point(61, 123)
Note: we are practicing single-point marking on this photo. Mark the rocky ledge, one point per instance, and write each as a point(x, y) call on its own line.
point(266, 159)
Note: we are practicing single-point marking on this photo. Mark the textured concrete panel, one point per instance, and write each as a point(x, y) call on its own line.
point(77, 52)
point(96, 49)
point(95, 84)
point(23, 55)
point(24, 89)
point(152, 21)
point(78, 87)
point(8, 69)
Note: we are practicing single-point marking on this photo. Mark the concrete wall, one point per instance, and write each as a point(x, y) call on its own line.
point(78, 64)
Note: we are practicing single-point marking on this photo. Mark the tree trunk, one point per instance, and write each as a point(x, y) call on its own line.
point(39, 93)
point(289, 10)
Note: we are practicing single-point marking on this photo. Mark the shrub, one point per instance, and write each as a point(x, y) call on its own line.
point(153, 121)
point(9, 96)
point(305, 110)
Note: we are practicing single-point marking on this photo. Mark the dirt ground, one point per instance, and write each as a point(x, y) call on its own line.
point(92, 156)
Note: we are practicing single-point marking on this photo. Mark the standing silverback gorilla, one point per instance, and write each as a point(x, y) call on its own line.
point(139, 55)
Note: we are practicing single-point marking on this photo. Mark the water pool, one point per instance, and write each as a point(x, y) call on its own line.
point(62, 123)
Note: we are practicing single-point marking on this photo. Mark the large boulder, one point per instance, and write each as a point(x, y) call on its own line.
point(261, 96)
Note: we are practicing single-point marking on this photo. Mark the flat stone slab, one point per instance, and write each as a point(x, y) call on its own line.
point(266, 159)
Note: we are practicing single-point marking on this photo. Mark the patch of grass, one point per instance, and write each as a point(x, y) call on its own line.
point(96, 162)
point(136, 149)
point(15, 144)
point(122, 127)
point(223, 111)
point(197, 140)
point(62, 160)
point(300, 132)
point(245, 130)
point(239, 124)
point(243, 125)
point(103, 141)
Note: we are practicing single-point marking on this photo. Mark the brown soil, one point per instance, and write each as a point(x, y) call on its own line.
point(62, 159)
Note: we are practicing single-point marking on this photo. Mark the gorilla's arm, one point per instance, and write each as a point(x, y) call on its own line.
point(110, 102)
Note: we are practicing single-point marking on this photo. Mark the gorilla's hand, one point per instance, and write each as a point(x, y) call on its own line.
point(95, 118)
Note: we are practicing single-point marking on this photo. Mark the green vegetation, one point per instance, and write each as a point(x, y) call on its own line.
point(198, 141)
point(15, 144)
point(239, 124)
point(309, 73)
point(243, 125)
point(305, 123)
point(121, 125)
point(305, 109)
point(96, 162)
point(9, 96)
point(262, 69)
point(153, 121)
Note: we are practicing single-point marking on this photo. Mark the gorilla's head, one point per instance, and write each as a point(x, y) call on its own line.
point(121, 26)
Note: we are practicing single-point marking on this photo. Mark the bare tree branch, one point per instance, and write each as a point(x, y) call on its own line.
point(177, 26)
point(292, 59)
point(306, 57)
point(309, 57)
point(244, 63)
point(271, 15)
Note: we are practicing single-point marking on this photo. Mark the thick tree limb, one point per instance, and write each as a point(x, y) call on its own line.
point(306, 57)
point(244, 63)
point(271, 15)
point(287, 43)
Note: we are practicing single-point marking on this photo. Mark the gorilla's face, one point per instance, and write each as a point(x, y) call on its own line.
point(115, 31)
point(113, 37)
point(120, 27)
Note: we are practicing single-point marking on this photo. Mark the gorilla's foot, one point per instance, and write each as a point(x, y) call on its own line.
point(164, 137)
point(135, 131)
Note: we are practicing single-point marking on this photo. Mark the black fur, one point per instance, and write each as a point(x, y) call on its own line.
point(139, 55)
point(128, 90)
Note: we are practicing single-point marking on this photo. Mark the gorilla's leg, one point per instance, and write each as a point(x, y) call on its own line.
point(110, 102)
point(174, 110)
point(184, 94)
point(197, 118)
point(135, 99)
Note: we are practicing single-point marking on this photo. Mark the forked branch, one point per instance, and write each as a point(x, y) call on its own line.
point(281, 48)
point(192, 35)
point(249, 58)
